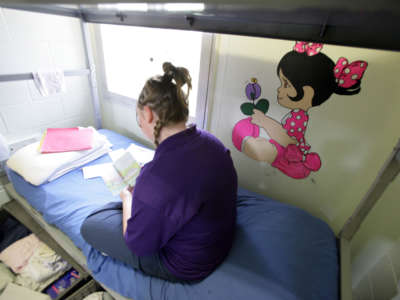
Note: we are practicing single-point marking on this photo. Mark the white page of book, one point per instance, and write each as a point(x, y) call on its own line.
point(142, 155)
point(114, 155)
point(113, 180)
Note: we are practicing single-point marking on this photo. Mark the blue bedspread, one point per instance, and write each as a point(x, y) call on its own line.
point(280, 252)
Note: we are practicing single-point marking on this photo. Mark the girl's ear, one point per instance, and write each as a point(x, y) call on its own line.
point(308, 95)
point(148, 114)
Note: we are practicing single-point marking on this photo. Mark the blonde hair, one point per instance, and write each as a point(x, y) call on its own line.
point(165, 96)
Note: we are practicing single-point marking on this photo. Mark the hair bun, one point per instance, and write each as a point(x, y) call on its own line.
point(180, 75)
point(169, 72)
point(168, 68)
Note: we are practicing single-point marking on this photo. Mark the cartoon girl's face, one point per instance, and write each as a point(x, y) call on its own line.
point(287, 90)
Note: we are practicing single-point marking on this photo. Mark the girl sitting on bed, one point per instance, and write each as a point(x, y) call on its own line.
point(178, 222)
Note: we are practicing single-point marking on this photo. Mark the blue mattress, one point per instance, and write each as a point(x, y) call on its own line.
point(280, 252)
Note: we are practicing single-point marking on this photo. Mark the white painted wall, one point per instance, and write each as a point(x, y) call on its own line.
point(33, 41)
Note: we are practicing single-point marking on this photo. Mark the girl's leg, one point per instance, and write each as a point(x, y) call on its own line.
point(103, 231)
point(260, 149)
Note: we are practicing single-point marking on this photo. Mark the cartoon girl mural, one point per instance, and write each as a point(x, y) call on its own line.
point(308, 78)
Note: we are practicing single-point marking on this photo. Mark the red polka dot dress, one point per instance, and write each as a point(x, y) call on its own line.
point(295, 160)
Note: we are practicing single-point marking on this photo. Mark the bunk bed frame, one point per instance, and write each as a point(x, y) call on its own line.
point(350, 23)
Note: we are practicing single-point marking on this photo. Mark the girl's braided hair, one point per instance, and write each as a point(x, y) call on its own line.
point(164, 95)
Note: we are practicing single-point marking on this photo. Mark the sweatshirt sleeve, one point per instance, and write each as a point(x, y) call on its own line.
point(148, 230)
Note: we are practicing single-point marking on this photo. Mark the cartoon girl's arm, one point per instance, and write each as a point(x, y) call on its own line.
point(272, 127)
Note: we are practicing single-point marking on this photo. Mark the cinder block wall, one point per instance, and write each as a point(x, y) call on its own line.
point(31, 42)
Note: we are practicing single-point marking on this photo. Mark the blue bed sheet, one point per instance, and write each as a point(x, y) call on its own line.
point(280, 251)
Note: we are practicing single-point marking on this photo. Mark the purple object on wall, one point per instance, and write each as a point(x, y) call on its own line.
point(253, 89)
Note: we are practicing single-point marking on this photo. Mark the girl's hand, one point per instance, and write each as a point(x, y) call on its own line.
point(130, 188)
point(126, 194)
point(258, 117)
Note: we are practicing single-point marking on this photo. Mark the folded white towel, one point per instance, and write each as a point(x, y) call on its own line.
point(38, 168)
point(49, 83)
point(84, 160)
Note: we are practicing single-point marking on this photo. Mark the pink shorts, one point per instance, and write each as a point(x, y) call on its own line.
point(243, 129)
point(291, 165)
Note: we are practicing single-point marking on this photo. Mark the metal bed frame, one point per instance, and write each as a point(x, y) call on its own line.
point(335, 22)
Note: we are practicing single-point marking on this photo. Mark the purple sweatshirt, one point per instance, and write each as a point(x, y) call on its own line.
point(184, 205)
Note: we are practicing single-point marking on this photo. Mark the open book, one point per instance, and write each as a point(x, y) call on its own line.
point(124, 169)
point(127, 170)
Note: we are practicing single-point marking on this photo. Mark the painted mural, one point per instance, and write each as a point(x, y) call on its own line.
point(308, 78)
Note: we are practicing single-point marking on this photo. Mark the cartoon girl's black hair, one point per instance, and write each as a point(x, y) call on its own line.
point(315, 71)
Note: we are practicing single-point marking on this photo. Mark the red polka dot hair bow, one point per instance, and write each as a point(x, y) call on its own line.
point(347, 74)
point(310, 48)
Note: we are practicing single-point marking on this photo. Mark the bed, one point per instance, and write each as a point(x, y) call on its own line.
point(280, 251)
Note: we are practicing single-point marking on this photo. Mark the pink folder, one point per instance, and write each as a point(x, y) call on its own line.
point(66, 139)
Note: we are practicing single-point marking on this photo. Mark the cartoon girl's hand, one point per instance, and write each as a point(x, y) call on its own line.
point(258, 117)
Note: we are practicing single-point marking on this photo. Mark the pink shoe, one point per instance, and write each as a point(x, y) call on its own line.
point(290, 161)
point(242, 130)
